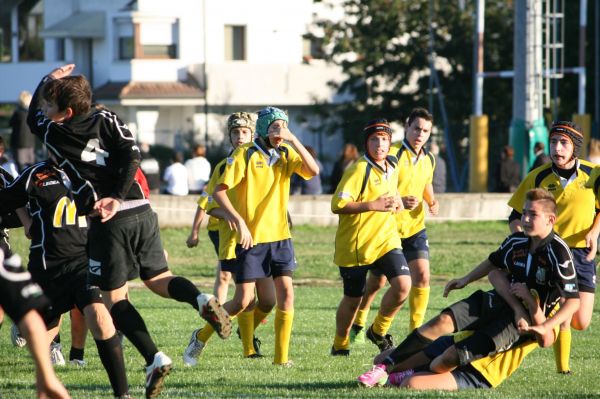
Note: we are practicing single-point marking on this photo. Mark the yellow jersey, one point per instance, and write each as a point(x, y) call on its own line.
point(206, 199)
point(576, 203)
point(226, 235)
point(415, 172)
point(258, 182)
point(362, 238)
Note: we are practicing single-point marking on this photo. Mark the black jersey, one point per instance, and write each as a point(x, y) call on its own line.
point(58, 234)
point(97, 151)
point(549, 270)
point(8, 219)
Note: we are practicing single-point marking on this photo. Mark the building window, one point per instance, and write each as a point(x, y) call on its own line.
point(125, 48)
point(60, 49)
point(235, 43)
point(123, 28)
point(312, 48)
point(31, 22)
point(156, 39)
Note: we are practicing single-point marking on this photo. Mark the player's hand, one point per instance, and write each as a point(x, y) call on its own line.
point(456, 284)
point(385, 203)
point(398, 205)
point(62, 71)
point(192, 240)
point(246, 240)
point(591, 242)
point(410, 202)
point(49, 387)
point(285, 133)
point(107, 207)
point(538, 329)
point(521, 320)
point(434, 207)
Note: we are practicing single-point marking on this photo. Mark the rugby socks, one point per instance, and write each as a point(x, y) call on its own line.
point(111, 355)
point(413, 343)
point(283, 332)
point(341, 343)
point(361, 317)
point(562, 351)
point(183, 290)
point(127, 320)
point(417, 302)
point(205, 333)
point(246, 325)
point(76, 353)
point(382, 324)
point(259, 315)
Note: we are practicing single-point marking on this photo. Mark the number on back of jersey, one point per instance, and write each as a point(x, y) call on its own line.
point(94, 153)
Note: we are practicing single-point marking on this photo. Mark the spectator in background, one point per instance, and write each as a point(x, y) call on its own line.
point(198, 169)
point(149, 165)
point(22, 142)
point(176, 176)
point(508, 172)
point(311, 186)
point(540, 155)
point(349, 156)
point(5, 162)
point(439, 173)
point(594, 154)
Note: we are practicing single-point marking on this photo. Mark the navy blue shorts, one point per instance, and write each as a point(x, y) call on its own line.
point(214, 238)
point(586, 270)
point(416, 246)
point(392, 264)
point(271, 259)
point(468, 377)
point(228, 265)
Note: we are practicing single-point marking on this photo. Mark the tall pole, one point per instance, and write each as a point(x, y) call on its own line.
point(205, 75)
point(582, 35)
point(597, 67)
point(478, 58)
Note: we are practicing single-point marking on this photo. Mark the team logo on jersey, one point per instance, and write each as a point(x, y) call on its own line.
point(551, 187)
point(343, 195)
point(259, 164)
point(95, 267)
point(566, 264)
point(571, 287)
point(46, 178)
point(31, 290)
point(229, 160)
point(540, 276)
point(519, 254)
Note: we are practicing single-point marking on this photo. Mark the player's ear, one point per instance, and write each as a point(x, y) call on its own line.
point(551, 218)
point(68, 113)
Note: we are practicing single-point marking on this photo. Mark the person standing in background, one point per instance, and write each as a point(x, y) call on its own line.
point(22, 142)
point(348, 157)
point(198, 169)
point(540, 155)
point(439, 173)
point(176, 177)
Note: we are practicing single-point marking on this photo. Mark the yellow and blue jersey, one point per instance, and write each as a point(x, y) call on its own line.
point(576, 203)
point(415, 172)
point(258, 181)
point(362, 238)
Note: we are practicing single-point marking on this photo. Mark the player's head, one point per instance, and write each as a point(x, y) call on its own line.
point(539, 213)
point(269, 123)
point(377, 134)
point(566, 139)
point(66, 97)
point(240, 128)
point(418, 127)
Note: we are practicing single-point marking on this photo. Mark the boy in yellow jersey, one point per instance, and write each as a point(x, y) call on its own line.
point(535, 259)
point(253, 193)
point(415, 175)
point(565, 178)
point(366, 200)
point(240, 126)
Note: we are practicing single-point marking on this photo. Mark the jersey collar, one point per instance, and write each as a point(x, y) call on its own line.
point(544, 242)
point(421, 153)
point(272, 154)
point(391, 165)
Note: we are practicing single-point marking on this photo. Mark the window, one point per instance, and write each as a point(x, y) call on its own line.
point(235, 43)
point(31, 22)
point(123, 28)
point(60, 49)
point(312, 48)
point(156, 39)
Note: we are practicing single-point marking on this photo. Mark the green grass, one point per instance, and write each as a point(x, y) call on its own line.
point(222, 372)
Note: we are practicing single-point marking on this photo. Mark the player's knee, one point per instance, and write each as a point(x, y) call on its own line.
point(443, 321)
point(580, 323)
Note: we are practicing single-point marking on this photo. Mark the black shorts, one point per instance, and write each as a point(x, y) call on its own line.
point(392, 264)
point(416, 246)
point(126, 247)
point(214, 238)
point(19, 293)
point(492, 321)
point(271, 259)
point(71, 288)
point(467, 377)
point(586, 270)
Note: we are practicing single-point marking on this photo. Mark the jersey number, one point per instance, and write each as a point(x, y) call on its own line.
point(66, 206)
point(94, 153)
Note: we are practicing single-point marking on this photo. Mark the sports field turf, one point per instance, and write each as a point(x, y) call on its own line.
point(222, 372)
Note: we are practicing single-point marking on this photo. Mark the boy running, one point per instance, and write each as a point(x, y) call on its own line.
point(366, 200)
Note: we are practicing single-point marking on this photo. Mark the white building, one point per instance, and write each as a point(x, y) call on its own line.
point(173, 69)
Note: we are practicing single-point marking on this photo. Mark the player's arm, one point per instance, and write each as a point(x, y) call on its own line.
point(429, 197)
point(591, 238)
point(232, 216)
point(499, 281)
point(192, 239)
point(482, 270)
point(566, 311)
point(385, 203)
point(310, 167)
point(47, 384)
point(514, 222)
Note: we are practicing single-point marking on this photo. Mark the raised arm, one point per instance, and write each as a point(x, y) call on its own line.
point(482, 270)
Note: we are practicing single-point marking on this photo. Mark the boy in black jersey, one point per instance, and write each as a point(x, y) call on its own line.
point(99, 154)
point(58, 260)
point(536, 257)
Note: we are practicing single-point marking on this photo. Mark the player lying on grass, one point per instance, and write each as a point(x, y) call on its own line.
point(536, 257)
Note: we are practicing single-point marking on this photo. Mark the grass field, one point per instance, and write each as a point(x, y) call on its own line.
point(222, 372)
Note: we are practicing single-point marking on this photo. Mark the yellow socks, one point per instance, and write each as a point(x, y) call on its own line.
point(246, 324)
point(207, 331)
point(382, 324)
point(361, 317)
point(341, 342)
point(259, 316)
point(562, 350)
point(417, 302)
point(283, 332)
